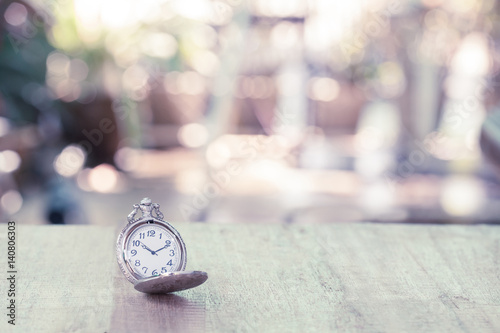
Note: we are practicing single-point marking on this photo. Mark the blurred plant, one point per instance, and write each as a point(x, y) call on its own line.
point(33, 116)
point(23, 50)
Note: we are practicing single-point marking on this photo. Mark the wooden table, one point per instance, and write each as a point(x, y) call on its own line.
point(266, 278)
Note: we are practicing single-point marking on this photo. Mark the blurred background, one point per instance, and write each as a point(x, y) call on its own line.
point(265, 111)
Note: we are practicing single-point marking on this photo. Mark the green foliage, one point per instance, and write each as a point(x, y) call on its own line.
point(23, 54)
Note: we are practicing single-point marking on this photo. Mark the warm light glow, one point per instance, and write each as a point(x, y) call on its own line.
point(213, 12)
point(391, 80)
point(103, 178)
point(323, 89)
point(369, 138)
point(464, 108)
point(462, 195)
point(472, 57)
point(285, 35)
point(218, 153)
point(193, 9)
point(331, 23)
point(87, 13)
point(159, 44)
point(11, 202)
point(205, 62)
point(204, 36)
point(70, 161)
point(187, 181)
point(117, 13)
point(280, 8)
point(271, 170)
point(9, 161)
point(221, 13)
point(432, 3)
point(463, 6)
point(151, 11)
point(193, 135)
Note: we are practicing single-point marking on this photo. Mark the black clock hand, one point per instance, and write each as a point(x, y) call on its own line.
point(147, 248)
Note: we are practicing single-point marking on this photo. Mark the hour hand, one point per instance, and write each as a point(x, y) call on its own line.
point(147, 248)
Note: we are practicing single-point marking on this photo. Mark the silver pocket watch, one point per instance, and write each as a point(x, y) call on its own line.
point(152, 255)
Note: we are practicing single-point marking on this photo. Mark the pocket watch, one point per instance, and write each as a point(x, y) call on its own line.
point(151, 253)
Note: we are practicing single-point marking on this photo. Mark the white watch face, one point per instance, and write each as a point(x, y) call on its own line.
point(151, 249)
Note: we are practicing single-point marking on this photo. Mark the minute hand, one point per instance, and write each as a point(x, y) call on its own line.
point(147, 248)
point(162, 248)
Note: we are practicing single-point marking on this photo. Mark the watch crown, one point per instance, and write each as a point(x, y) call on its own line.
point(146, 201)
point(147, 207)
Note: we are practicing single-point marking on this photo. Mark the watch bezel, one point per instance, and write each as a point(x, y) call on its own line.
point(129, 273)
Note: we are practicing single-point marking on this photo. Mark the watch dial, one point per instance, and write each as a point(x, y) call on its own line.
point(152, 250)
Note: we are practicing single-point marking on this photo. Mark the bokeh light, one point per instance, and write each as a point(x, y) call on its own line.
point(9, 161)
point(193, 135)
point(323, 89)
point(462, 196)
point(70, 161)
point(218, 153)
point(11, 202)
point(317, 101)
point(103, 178)
point(16, 14)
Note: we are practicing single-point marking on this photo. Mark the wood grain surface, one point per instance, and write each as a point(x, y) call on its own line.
point(266, 278)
